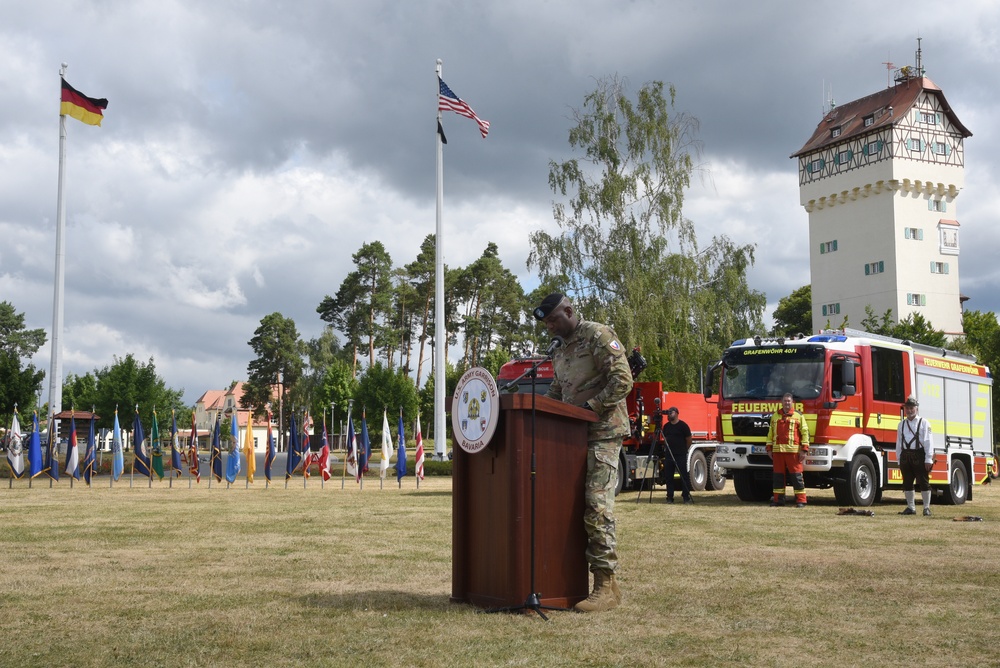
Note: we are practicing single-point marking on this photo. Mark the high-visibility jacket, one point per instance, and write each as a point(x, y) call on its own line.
point(788, 433)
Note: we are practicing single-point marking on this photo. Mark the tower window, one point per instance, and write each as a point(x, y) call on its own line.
point(939, 267)
point(916, 299)
point(877, 267)
point(831, 309)
point(869, 120)
point(835, 132)
point(938, 205)
point(827, 247)
point(914, 233)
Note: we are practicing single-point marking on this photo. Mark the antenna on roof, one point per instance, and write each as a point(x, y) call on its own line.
point(919, 59)
point(889, 67)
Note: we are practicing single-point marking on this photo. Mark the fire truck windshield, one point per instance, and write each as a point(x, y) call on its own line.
point(771, 371)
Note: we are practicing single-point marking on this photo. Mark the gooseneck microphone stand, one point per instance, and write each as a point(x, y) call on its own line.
point(533, 601)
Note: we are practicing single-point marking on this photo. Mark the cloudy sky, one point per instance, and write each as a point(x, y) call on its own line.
point(252, 146)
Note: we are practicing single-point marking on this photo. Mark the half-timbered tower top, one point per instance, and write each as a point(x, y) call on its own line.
point(875, 112)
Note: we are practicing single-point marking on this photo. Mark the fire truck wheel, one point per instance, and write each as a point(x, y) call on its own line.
point(860, 487)
point(699, 471)
point(716, 475)
point(954, 493)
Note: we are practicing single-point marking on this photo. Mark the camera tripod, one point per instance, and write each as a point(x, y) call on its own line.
point(658, 444)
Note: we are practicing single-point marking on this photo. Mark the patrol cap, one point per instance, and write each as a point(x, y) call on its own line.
point(548, 305)
point(672, 409)
point(911, 401)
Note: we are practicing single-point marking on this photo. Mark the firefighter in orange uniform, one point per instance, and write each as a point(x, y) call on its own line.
point(788, 444)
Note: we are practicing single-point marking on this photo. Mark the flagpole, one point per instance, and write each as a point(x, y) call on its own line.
point(440, 339)
point(55, 366)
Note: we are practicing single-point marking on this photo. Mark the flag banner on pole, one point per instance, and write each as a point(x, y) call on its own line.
point(15, 449)
point(77, 105)
point(140, 459)
point(72, 466)
point(418, 466)
point(217, 449)
point(269, 457)
point(352, 451)
point(233, 458)
point(90, 454)
point(117, 455)
point(365, 446)
point(248, 449)
point(176, 466)
point(36, 460)
point(321, 458)
point(294, 453)
point(194, 465)
point(448, 101)
point(157, 449)
point(401, 449)
point(383, 466)
point(51, 464)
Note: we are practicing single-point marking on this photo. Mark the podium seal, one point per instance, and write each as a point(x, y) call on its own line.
point(475, 409)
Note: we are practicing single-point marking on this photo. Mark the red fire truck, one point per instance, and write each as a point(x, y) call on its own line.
point(647, 406)
point(851, 386)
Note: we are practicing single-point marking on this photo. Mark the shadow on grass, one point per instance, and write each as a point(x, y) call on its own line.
point(384, 600)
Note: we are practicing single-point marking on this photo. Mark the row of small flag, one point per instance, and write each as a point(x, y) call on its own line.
point(33, 460)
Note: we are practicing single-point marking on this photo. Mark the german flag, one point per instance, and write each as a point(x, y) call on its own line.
point(81, 107)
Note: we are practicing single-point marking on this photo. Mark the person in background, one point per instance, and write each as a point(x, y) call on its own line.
point(788, 444)
point(678, 436)
point(915, 454)
point(592, 371)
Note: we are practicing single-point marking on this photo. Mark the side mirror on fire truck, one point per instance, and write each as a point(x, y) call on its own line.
point(849, 387)
point(708, 386)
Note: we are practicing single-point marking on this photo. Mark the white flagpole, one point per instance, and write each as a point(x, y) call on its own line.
point(55, 366)
point(440, 338)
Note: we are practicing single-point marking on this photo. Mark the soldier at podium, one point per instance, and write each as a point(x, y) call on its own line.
point(591, 371)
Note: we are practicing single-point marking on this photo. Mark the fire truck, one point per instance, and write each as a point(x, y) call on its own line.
point(851, 385)
point(647, 407)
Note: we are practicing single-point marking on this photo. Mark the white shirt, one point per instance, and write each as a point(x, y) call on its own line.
point(922, 429)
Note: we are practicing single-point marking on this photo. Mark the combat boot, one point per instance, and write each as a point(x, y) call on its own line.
point(614, 588)
point(603, 597)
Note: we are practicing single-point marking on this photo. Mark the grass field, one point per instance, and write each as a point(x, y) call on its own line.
point(331, 577)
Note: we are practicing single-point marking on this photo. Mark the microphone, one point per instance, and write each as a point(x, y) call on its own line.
point(557, 343)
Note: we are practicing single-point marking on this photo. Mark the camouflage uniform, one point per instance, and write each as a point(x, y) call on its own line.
point(591, 370)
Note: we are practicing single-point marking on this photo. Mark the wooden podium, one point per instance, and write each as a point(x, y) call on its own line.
point(491, 509)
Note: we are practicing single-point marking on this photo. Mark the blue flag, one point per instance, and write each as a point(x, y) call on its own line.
point(35, 457)
point(365, 448)
point(269, 456)
point(294, 454)
point(140, 457)
point(117, 456)
point(401, 451)
point(90, 454)
point(233, 459)
point(217, 449)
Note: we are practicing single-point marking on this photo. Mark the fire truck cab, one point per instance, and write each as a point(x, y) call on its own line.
point(851, 386)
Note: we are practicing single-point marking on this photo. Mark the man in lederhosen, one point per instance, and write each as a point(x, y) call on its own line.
point(915, 454)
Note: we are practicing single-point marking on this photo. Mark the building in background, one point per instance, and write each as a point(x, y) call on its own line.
point(880, 179)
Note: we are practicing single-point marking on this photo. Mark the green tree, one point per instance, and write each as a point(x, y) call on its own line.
point(80, 392)
point(364, 300)
point(20, 382)
point(381, 388)
point(625, 252)
point(494, 306)
point(794, 313)
point(914, 328)
point(420, 274)
point(278, 349)
point(127, 383)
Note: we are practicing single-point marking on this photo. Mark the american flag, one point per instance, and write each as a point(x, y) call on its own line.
point(448, 101)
